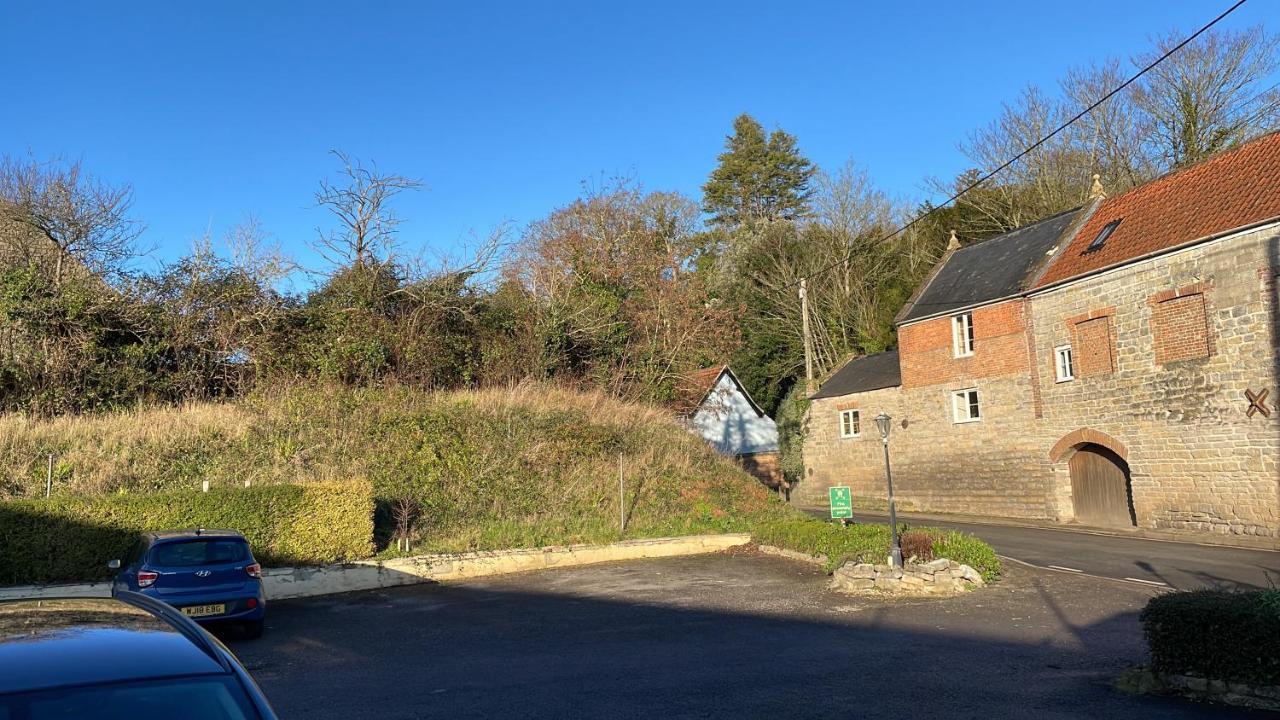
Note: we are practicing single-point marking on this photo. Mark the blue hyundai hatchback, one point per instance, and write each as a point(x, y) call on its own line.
point(208, 575)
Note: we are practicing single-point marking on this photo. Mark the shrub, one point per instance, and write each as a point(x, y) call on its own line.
point(1217, 634)
point(870, 543)
point(917, 544)
point(65, 539)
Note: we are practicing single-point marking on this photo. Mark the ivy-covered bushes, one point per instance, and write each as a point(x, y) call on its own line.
point(67, 539)
point(1216, 634)
point(870, 543)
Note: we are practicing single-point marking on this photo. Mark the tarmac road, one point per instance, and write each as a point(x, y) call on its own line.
point(1177, 565)
point(714, 636)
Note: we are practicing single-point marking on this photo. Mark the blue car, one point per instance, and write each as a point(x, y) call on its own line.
point(118, 658)
point(208, 575)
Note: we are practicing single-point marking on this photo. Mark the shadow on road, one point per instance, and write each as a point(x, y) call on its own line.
point(727, 641)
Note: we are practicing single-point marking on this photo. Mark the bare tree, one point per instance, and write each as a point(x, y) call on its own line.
point(361, 203)
point(1209, 95)
point(84, 218)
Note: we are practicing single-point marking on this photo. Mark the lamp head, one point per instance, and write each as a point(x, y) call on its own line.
point(884, 423)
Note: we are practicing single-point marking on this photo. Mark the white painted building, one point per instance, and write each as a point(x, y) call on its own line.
point(727, 417)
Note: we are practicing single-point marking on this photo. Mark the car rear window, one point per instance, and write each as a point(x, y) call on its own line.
point(188, 553)
point(206, 698)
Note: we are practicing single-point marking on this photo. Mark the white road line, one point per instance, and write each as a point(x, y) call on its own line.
point(1067, 569)
point(1146, 582)
point(1080, 572)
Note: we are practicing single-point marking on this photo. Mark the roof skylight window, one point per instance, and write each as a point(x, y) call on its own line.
point(1103, 234)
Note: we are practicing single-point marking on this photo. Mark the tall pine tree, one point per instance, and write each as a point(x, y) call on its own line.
point(760, 178)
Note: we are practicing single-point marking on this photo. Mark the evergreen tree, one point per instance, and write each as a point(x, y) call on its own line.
point(760, 178)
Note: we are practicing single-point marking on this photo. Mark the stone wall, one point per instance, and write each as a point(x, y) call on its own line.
point(1176, 414)
point(764, 466)
point(1190, 332)
point(937, 577)
point(989, 467)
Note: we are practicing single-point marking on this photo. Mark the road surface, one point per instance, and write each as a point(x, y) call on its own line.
point(713, 636)
point(1178, 565)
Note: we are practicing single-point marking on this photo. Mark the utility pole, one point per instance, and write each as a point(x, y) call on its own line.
point(808, 339)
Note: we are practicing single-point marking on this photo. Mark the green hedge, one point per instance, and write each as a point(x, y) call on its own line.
point(870, 543)
point(1216, 634)
point(68, 539)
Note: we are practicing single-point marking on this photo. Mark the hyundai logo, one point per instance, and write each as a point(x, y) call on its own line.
point(203, 573)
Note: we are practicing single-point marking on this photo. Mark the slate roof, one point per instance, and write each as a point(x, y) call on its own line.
point(869, 372)
point(990, 270)
point(1233, 189)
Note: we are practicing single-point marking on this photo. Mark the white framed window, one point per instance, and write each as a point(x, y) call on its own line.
point(850, 424)
point(965, 406)
point(1063, 365)
point(962, 335)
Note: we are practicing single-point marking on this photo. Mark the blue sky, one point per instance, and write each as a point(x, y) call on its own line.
point(216, 110)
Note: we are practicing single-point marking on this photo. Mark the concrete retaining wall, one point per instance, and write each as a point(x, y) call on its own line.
point(283, 583)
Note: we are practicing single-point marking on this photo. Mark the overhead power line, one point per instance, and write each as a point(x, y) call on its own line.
point(1031, 148)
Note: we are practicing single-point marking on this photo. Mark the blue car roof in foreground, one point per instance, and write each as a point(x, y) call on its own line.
point(85, 641)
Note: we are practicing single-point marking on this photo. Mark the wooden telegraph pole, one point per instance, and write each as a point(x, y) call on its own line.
point(808, 339)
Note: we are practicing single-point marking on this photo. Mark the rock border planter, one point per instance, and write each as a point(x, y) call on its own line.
point(1145, 681)
point(936, 577)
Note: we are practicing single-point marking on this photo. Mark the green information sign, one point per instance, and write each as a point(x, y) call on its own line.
point(841, 502)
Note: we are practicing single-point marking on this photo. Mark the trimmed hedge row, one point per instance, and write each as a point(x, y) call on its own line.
point(1216, 634)
point(69, 539)
point(870, 543)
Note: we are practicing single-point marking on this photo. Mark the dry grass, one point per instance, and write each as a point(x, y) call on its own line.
point(102, 453)
point(528, 464)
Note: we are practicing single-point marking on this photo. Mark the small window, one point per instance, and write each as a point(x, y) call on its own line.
point(964, 406)
point(850, 424)
point(962, 335)
point(1103, 234)
point(1063, 366)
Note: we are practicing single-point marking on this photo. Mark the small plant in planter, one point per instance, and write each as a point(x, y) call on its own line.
point(917, 546)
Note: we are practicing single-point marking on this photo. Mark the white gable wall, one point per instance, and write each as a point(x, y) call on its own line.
point(728, 421)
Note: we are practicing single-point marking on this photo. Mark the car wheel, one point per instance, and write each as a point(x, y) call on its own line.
point(253, 629)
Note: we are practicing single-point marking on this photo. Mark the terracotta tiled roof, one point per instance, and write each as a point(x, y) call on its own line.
point(693, 388)
point(1233, 189)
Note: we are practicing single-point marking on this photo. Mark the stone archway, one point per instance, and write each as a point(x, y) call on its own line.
point(1085, 436)
point(1101, 493)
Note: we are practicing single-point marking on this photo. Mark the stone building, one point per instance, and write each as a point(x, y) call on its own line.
point(1098, 367)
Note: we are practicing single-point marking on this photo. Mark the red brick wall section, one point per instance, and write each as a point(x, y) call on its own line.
point(1180, 329)
point(1093, 347)
point(999, 347)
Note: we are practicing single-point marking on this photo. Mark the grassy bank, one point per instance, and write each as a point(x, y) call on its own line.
point(516, 467)
point(527, 466)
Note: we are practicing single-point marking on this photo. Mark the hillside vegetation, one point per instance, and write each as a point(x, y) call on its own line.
point(523, 466)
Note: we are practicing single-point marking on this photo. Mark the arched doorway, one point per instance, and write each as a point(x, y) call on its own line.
point(1100, 488)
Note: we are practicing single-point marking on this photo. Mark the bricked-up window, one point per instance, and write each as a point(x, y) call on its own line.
point(1180, 329)
point(964, 406)
point(1064, 368)
point(962, 335)
point(1093, 349)
point(850, 424)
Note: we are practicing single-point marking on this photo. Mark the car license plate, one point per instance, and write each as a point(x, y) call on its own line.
point(204, 610)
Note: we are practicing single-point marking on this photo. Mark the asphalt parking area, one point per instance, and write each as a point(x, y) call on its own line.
point(731, 635)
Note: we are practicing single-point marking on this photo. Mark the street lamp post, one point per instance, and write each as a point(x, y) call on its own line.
point(883, 422)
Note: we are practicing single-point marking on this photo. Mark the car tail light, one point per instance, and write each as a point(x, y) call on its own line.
point(251, 603)
point(254, 570)
point(146, 578)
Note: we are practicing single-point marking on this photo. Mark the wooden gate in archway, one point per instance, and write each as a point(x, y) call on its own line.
point(1100, 487)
